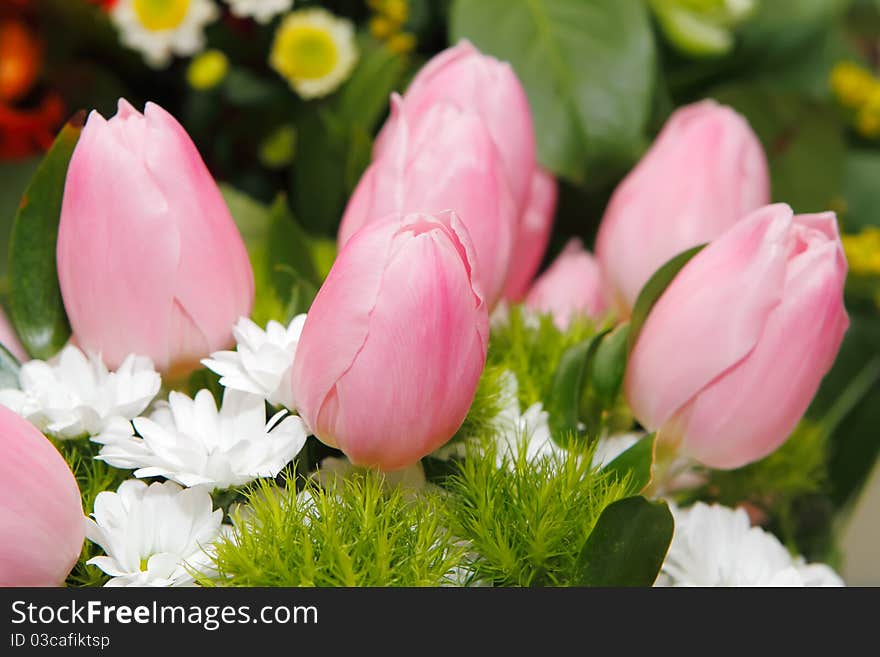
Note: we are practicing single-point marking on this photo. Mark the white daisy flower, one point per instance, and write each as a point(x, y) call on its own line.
point(159, 29)
point(262, 361)
point(714, 545)
point(154, 535)
point(314, 51)
point(261, 11)
point(190, 442)
point(71, 395)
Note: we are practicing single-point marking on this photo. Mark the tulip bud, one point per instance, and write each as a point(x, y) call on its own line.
point(482, 84)
point(735, 348)
point(705, 171)
point(533, 234)
point(571, 286)
point(442, 160)
point(41, 518)
point(149, 259)
point(395, 342)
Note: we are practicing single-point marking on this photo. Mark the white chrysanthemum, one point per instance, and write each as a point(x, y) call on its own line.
point(261, 11)
point(154, 535)
point(314, 51)
point(262, 361)
point(71, 396)
point(159, 29)
point(191, 442)
point(714, 545)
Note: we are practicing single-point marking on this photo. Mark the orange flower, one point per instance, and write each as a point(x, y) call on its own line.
point(20, 59)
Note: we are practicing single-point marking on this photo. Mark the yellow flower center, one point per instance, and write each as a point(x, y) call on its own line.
point(159, 15)
point(305, 52)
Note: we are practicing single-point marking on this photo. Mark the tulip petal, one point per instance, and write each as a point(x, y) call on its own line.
point(717, 306)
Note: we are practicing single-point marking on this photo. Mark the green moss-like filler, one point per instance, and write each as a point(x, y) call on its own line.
point(92, 477)
point(360, 533)
point(531, 346)
point(526, 522)
point(488, 402)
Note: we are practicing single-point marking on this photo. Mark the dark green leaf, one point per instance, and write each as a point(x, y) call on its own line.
point(609, 363)
point(861, 188)
point(292, 273)
point(637, 462)
point(628, 544)
point(364, 98)
point(35, 297)
point(652, 291)
point(245, 88)
point(319, 189)
point(204, 379)
point(568, 384)
point(588, 69)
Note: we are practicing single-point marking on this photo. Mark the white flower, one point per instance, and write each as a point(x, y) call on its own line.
point(610, 447)
point(715, 545)
point(314, 51)
point(189, 441)
point(71, 395)
point(153, 534)
point(261, 11)
point(262, 361)
point(160, 28)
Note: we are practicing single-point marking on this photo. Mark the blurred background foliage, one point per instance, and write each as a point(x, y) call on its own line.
point(601, 75)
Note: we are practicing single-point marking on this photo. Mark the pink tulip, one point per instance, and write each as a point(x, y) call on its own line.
point(735, 348)
point(149, 259)
point(9, 339)
point(41, 518)
point(479, 83)
point(533, 235)
point(571, 286)
point(394, 343)
point(705, 171)
point(443, 159)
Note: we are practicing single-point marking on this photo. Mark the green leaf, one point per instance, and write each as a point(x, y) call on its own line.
point(803, 139)
point(364, 98)
point(588, 67)
point(636, 462)
point(35, 296)
point(318, 184)
point(860, 189)
point(652, 291)
point(292, 273)
point(568, 384)
point(628, 544)
point(9, 368)
point(609, 363)
point(251, 217)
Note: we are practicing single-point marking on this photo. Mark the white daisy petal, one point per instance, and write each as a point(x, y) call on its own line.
point(73, 395)
point(164, 532)
point(262, 362)
point(715, 545)
point(261, 11)
point(193, 443)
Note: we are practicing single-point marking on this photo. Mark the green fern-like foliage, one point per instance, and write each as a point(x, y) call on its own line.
point(359, 533)
point(531, 346)
point(92, 477)
point(527, 521)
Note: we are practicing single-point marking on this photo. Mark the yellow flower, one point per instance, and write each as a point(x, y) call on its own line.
point(852, 84)
point(314, 51)
point(162, 28)
point(382, 28)
point(863, 251)
point(401, 43)
point(207, 70)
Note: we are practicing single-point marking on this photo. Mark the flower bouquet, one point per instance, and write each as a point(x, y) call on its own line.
point(379, 352)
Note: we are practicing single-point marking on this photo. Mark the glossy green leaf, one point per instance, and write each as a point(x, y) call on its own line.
point(250, 216)
point(588, 67)
point(568, 384)
point(609, 363)
point(628, 544)
point(637, 462)
point(37, 310)
point(652, 291)
point(292, 273)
